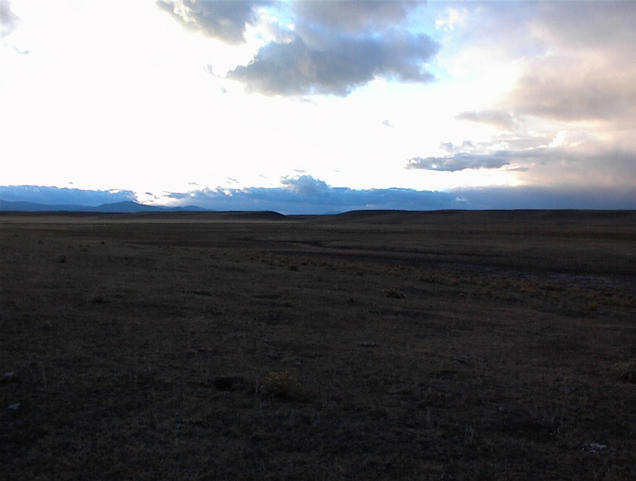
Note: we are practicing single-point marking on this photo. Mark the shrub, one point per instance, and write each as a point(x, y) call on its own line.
point(393, 294)
point(280, 385)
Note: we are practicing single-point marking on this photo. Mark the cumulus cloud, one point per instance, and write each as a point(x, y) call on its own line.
point(8, 19)
point(497, 118)
point(295, 68)
point(306, 185)
point(221, 19)
point(331, 47)
point(338, 46)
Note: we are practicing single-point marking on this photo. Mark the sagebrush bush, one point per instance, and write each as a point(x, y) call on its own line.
point(279, 384)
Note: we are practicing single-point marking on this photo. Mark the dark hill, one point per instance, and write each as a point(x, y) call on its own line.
point(116, 207)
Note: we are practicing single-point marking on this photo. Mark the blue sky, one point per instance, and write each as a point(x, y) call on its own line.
point(320, 106)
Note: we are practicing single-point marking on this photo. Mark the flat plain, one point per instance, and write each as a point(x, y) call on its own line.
point(362, 346)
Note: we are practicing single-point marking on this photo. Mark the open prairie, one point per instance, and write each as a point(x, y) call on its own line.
point(369, 345)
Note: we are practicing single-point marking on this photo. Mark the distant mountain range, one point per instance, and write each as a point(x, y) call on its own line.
point(115, 207)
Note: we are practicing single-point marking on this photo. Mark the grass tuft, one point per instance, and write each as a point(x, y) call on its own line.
point(281, 385)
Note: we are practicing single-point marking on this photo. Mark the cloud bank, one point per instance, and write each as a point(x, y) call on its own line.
point(308, 195)
point(62, 195)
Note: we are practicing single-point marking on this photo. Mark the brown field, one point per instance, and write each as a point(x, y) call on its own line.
point(377, 345)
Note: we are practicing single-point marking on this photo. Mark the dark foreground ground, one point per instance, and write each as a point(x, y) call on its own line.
point(395, 346)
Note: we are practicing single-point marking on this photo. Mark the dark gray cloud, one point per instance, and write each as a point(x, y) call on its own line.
point(334, 47)
point(353, 15)
point(498, 118)
point(221, 19)
point(338, 46)
point(347, 62)
point(8, 19)
point(461, 161)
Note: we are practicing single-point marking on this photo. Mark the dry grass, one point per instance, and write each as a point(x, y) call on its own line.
point(448, 345)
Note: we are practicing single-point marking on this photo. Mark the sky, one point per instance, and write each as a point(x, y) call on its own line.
point(320, 106)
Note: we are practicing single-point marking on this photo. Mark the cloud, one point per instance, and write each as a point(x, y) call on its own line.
point(466, 146)
point(338, 46)
point(546, 197)
point(497, 118)
point(567, 162)
point(586, 70)
point(584, 24)
point(353, 16)
point(8, 19)
point(328, 200)
point(221, 19)
point(460, 161)
point(331, 47)
point(575, 88)
point(344, 63)
point(319, 198)
point(575, 57)
point(306, 185)
point(570, 115)
point(60, 196)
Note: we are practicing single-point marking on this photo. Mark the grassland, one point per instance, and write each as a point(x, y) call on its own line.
point(364, 346)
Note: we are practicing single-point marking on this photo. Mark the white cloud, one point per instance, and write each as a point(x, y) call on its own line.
point(450, 19)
